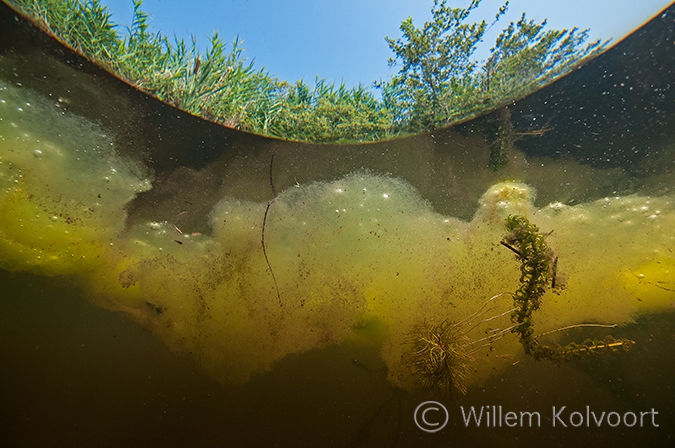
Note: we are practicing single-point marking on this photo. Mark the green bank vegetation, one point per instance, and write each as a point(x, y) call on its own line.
point(439, 83)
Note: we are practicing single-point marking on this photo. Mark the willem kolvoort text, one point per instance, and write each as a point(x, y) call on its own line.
point(560, 417)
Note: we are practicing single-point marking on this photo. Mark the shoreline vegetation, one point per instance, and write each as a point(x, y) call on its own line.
point(439, 82)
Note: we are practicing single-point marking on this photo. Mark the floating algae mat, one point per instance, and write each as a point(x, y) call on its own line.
point(324, 290)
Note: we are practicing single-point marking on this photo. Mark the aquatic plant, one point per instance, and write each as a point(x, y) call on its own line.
point(538, 273)
point(361, 248)
point(441, 355)
point(440, 82)
point(440, 358)
point(536, 269)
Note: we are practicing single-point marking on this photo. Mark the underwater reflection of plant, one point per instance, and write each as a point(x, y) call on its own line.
point(440, 355)
point(440, 82)
point(500, 135)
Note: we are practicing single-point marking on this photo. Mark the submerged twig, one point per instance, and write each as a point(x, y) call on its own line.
point(262, 239)
point(508, 246)
point(274, 192)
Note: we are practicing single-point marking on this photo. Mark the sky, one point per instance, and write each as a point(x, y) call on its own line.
point(343, 40)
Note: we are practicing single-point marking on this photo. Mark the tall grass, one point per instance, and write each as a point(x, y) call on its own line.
point(220, 85)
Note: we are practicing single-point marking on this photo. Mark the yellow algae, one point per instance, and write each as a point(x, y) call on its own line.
point(367, 248)
point(653, 284)
point(600, 245)
point(364, 251)
point(62, 192)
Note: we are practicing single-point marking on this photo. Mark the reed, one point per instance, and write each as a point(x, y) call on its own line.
point(440, 83)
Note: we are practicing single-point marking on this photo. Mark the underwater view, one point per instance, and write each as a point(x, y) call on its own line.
point(491, 263)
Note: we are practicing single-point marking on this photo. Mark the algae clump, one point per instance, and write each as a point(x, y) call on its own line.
point(62, 192)
point(361, 250)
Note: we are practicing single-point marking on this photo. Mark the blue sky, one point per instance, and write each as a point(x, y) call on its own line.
point(343, 40)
